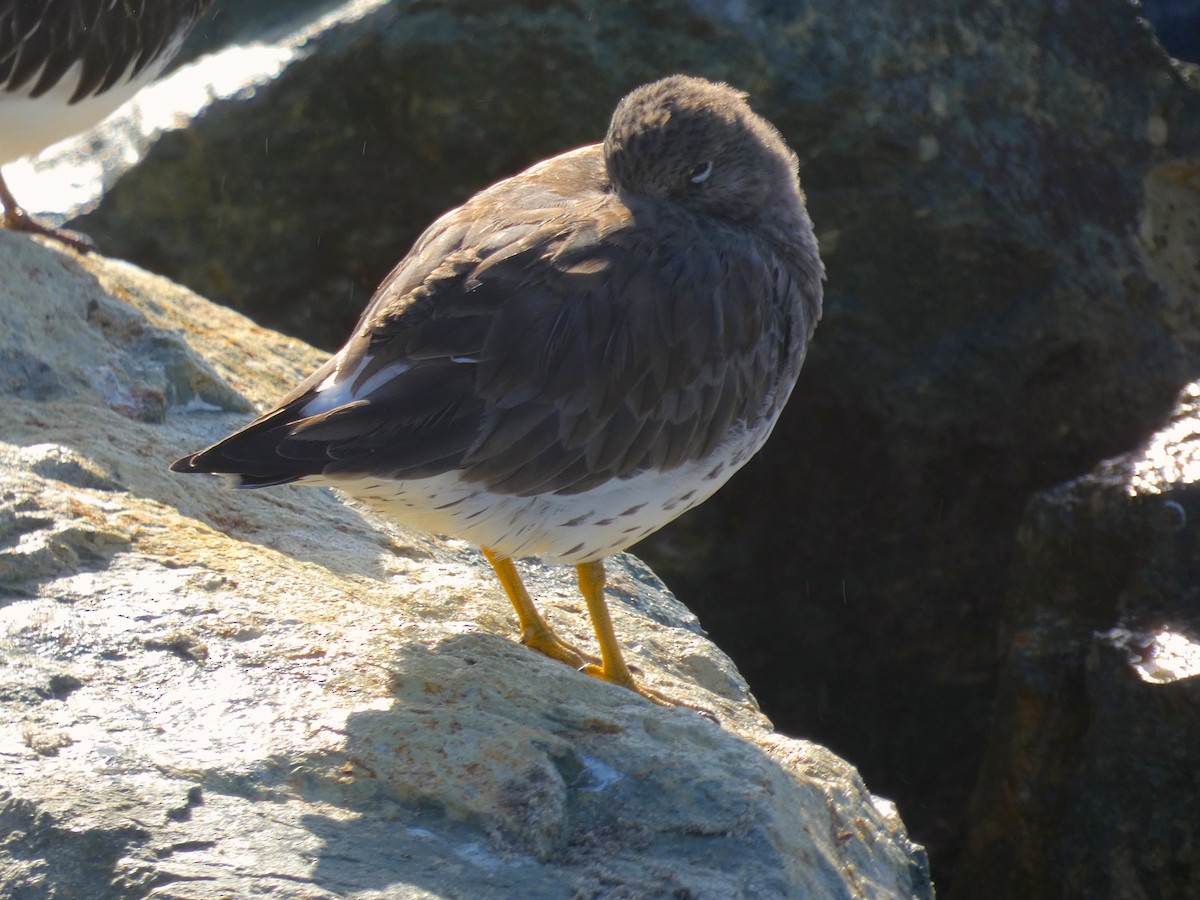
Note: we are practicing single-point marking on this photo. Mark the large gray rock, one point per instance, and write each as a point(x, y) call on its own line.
point(1091, 783)
point(1001, 193)
point(213, 694)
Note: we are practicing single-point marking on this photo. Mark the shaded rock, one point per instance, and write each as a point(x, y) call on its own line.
point(242, 22)
point(1002, 198)
point(209, 693)
point(68, 466)
point(1091, 784)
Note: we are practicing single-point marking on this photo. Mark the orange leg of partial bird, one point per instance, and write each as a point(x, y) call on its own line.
point(535, 630)
point(18, 219)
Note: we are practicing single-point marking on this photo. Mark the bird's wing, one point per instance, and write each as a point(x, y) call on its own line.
point(563, 349)
point(41, 41)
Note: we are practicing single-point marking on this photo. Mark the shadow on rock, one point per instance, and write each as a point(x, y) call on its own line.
point(582, 787)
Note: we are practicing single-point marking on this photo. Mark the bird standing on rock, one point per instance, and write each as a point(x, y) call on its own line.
point(67, 64)
point(573, 358)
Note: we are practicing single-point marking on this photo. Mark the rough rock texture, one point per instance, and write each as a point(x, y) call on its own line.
point(1000, 188)
point(213, 694)
point(1091, 785)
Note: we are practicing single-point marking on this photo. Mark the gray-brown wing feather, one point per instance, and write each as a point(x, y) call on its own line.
point(111, 40)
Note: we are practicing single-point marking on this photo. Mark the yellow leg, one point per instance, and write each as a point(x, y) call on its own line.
point(612, 664)
point(535, 630)
point(537, 634)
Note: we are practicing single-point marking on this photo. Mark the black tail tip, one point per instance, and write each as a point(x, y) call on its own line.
point(185, 464)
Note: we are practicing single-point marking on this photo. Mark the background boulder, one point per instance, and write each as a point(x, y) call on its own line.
point(1090, 786)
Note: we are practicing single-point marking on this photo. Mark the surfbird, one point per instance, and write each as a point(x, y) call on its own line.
point(574, 357)
point(66, 64)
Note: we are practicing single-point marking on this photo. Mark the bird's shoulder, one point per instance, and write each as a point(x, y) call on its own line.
point(556, 234)
point(550, 268)
point(534, 222)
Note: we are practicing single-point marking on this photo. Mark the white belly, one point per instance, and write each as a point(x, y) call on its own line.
point(559, 529)
point(28, 126)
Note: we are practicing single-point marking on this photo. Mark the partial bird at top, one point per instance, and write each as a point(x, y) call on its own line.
point(66, 64)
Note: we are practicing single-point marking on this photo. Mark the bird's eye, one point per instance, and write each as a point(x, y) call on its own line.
point(700, 174)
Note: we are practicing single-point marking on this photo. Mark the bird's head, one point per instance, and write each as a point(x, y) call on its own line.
point(699, 144)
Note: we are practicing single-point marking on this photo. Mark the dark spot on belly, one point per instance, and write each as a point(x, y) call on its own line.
point(632, 510)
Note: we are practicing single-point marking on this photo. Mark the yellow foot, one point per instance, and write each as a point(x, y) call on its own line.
point(547, 642)
point(626, 680)
point(537, 635)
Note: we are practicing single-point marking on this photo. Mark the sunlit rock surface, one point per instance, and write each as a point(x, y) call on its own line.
point(213, 694)
point(1091, 784)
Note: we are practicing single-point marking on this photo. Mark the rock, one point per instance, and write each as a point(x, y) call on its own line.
point(245, 23)
point(1002, 198)
point(1090, 785)
point(210, 693)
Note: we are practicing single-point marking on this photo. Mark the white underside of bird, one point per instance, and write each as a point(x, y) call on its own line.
point(558, 529)
point(28, 125)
